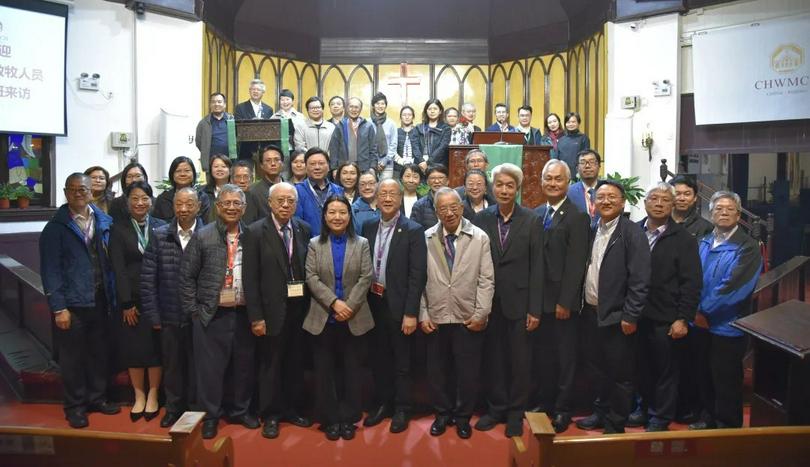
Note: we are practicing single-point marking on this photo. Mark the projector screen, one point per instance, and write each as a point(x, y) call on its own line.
point(32, 67)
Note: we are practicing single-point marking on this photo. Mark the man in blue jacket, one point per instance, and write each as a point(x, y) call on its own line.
point(731, 266)
point(79, 284)
point(315, 189)
point(583, 192)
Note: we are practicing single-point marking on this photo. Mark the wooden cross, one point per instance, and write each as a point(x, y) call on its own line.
point(403, 81)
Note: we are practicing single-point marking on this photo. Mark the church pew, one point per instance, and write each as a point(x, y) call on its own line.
point(743, 447)
point(181, 447)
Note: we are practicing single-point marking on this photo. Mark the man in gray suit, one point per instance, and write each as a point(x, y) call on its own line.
point(212, 130)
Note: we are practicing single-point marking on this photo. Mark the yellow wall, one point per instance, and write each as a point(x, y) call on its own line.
point(573, 80)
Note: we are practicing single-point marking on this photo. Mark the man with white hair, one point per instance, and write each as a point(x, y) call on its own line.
point(516, 244)
point(253, 108)
point(672, 299)
point(731, 266)
point(277, 300)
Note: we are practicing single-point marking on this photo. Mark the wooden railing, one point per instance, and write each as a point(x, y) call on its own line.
point(788, 281)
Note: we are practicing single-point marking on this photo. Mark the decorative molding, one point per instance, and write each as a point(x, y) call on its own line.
point(428, 51)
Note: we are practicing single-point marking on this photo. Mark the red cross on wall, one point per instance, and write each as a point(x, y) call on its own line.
point(403, 81)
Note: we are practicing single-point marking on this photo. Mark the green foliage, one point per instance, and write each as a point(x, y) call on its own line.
point(163, 184)
point(21, 191)
point(5, 191)
point(422, 189)
point(632, 191)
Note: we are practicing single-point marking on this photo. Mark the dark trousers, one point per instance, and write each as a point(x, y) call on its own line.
point(179, 382)
point(82, 355)
point(224, 352)
point(336, 404)
point(391, 359)
point(555, 362)
point(688, 392)
point(507, 361)
point(720, 377)
point(281, 366)
point(453, 349)
point(609, 358)
point(659, 370)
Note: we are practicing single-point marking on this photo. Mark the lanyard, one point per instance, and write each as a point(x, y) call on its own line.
point(381, 244)
point(232, 250)
point(143, 236)
point(315, 194)
point(591, 205)
point(86, 230)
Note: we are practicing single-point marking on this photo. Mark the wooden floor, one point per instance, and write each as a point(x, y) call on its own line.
point(307, 447)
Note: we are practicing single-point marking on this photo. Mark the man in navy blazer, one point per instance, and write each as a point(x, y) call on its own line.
point(583, 193)
point(565, 254)
point(616, 284)
point(501, 120)
point(516, 244)
point(252, 108)
point(397, 245)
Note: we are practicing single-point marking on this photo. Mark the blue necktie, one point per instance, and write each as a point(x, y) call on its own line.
point(548, 219)
point(450, 249)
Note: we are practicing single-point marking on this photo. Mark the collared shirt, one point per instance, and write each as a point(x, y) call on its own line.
point(86, 223)
point(219, 135)
point(408, 202)
point(600, 243)
point(237, 271)
point(321, 192)
point(589, 204)
point(654, 235)
point(457, 233)
point(289, 248)
point(257, 109)
point(504, 225)
point(555, 207)
point(722, 237)
point(385, 231)
point(185, 235)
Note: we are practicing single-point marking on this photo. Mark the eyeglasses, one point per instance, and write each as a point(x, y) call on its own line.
point(383, 195)
point(78, 191)
point(230, 204)
point(720, 210)
point(453, 208)
point(283, 201)
point(367, 184)
point(588, 163)
point(610, 198)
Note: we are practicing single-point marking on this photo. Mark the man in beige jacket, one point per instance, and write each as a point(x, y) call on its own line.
point(455, 306)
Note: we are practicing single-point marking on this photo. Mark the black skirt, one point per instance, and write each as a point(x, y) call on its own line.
point(139, 345)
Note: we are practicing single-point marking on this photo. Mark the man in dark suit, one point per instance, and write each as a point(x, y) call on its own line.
point(516, 244)
point(398, 242)
point(583, 192)
point(565, 254)
point(616, 283)
point(531, 135)
point(501, 120)
point(277, 301)
point(251, 109)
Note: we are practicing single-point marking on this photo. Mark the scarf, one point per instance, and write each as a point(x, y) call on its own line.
point(382, 142)
point(554, 135)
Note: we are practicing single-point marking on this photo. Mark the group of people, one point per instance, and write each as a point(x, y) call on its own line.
point(219, 293)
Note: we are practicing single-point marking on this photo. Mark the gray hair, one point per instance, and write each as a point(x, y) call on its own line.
point(660, 186)
point(446, 190)
point(78, 175)
point(357, 99)
point(475, 152)
point(554, 163)
point(467, 105)
point(724, 194)
point(385, 181)
point(259, 83)
point(278, 186)
point(511, 170)
point(188, 191)
point(231, 188)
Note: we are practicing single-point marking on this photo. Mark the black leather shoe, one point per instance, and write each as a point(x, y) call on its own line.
point(169, 419)
point(298, 420)
point(332, 432)
point(702, 425)
point(611, 430)
point(270, 429)
point(347, 431)
point(148, 416)
point(209, 428)
point(439, 425)
point(77, 420)
point(135, 416)
point(687, 418)
point(637, 418)
point(561, 422)
point(376, 416)
point(463, 429)
point(657, 427)
point(514, 427)
point(591, 422)
point(247, 420)
point(486, 422)
point(399, 422)
point(105, 407)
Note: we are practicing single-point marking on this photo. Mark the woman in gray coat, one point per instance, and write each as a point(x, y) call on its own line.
point(338, 271)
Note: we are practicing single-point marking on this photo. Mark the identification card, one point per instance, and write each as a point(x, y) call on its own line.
point(295, 289)
point(377, 289)
point(227, 296)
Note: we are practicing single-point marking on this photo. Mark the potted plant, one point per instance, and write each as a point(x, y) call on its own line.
point(633, 193)
point(5, 196)
point(23, 195)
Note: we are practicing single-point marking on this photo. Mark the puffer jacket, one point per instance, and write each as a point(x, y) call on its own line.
point(424, 212)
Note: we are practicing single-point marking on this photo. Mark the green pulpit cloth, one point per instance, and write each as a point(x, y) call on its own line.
point(498, 154)
point(285, 136)
point(231, 126)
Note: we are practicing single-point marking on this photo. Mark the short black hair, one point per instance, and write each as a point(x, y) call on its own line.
point(315, 151)
point(413, 168)
point(213, 94)
point(341, 99)
point(379, 97)
point(129, 167)
point(526, 107)
point(501, 104)
point(612, 183)
point(138, 185)
point(437, 168)
point(325, 228)
point(573, 114)
point(313, 99)
point(173, 167)
point(685, 180)
point(585, 152)
point(286, 93)
point(270, 147)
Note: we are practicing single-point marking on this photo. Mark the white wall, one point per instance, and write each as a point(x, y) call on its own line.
point(638, 54)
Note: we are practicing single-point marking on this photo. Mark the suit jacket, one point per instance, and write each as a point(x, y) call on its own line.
point(265, 270)
point(519, 267)
point(576, 193)
point(244, 111)
point(357, 275)
point(565, 254)
point(534, 136)
point(406, 272)
point(126, 261)
point(624, 275)
point(496, 127)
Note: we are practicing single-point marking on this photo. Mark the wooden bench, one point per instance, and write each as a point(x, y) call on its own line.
point(53, 447)
point(743, 447)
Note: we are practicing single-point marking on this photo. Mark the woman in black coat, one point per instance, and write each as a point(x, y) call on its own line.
point(181, 174)
point(133, 172)
point(572, 142)
point(409, 144)
point(434, 135)
point(139, 342)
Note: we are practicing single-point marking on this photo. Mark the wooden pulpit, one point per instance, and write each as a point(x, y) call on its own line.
point(534, 159)
point(781, 364)
point(252, 134)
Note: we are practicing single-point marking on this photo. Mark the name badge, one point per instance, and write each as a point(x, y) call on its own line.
point(295, 289)
point(377, 289)
point(227, 296)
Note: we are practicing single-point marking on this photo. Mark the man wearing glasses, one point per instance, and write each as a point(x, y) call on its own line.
point(212, 293)
point(314, 132)
point(270, 164)
point(583, 193)
point(78, 281)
